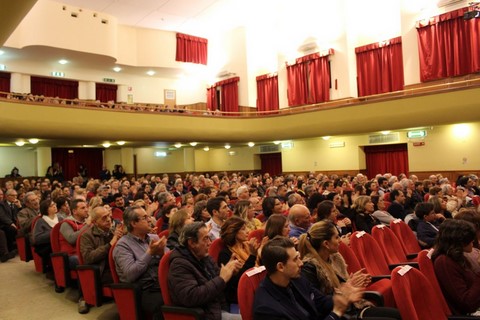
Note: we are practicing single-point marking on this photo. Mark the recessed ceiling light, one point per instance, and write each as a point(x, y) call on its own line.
point(177, 145)
point(227, 146)
point(20, 143)
point(33, 141)
point(193, 144)
point(106, 145)
point(206, 148)
point(62, 61)
point(251, 144)
point(120, 143)
point(277, 142)
point(1, 52)
point(385, 132)
point(150, 72)
point(117, 69)
point(326, 138)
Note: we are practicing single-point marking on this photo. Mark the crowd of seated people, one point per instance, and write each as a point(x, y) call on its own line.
point(313, 211)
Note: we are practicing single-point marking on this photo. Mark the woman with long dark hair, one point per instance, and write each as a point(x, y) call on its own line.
point(459, 284)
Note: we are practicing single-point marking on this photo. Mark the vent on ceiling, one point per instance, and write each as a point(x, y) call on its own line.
point(384, 138)
point(269, 148)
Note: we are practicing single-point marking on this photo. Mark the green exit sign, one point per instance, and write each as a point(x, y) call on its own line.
point(416, 134)
point(109, 80)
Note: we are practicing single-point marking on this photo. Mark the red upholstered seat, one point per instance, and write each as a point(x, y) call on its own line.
point(406, 236)
point(248, 283)
point(164, 233)
point(390, 245)
point(257, 234)
point(37, 260)
point(215, 248)
point(61, 268)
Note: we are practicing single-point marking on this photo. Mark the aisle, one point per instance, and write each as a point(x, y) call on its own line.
point(26, 294)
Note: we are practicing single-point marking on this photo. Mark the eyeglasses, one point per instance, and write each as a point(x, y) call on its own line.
point(145, 217)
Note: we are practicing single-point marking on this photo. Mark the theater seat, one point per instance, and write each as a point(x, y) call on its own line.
point(391, 246)
point(406, 236)
point(257, 234)
point(215, 248)
point(171, 312)
point(61, 268)
point(163, 233)
point(127, 296)
point(248, 283)
point(37, 260)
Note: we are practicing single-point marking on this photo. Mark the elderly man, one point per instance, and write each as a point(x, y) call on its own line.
point(137, 256)
point(30, 210)
point(194, 279)
point(95, 243)
point(299, 219)
point(8, 217)
point(242, 193)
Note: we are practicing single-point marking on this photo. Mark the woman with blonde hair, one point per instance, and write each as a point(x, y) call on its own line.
point(326, 269)
point(177, 221)
point(364, 208)
point(245, 210)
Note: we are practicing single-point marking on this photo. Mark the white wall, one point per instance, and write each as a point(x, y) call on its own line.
point(25, 159)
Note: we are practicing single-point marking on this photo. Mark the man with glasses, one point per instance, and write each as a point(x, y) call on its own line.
point(8, 217)
point(137, 256)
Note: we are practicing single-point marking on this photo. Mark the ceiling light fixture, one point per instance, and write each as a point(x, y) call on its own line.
point(326, 138)
point(227, 146)
point(20, 143)
point(150, 72)
point(277, 142)
point(1, 52)
point(251, 144)
point(63, 61)
point(193, 144)
point(33, 141)
point(177, 145)
point(385, 132)
point(120, 143)
point(117, 69)
point(206, 148)
point(106, 145)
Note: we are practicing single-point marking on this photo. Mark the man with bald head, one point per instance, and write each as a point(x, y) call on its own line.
point(299, 219)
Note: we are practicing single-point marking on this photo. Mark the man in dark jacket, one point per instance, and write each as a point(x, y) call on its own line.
point(194, 280)
point(8, 217)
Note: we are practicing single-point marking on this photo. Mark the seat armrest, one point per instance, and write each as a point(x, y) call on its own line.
point(380, 277)
point(411, 256)
point(375, 297)
point(195, 312)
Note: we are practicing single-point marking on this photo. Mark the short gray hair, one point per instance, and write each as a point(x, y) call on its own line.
point(190, 231)
point(130, 216)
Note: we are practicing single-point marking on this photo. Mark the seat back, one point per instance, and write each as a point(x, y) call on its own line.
point(248, 283)
point(257, 234)
point(79, 252)
point(37, 260)
point(215, 248)
point(127, 296)
point(163, 270)
point(414, 295)
point(60, 263)
point(353, 265)
point(55, 237)
point(389, 244)
point(406, 236)
point(163, 233)
point(426, 267)
point(369, 253)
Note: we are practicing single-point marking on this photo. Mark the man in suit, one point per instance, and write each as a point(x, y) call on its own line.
point(284, 294)
point(397, 209)
point(8, 217)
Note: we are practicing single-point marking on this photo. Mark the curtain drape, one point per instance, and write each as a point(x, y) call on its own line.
point(91, 158)
point(4, 82)
point(391, 158)
point(212, 98)
point(105, 92)
point(267, 93)
point(380, 67)
point(271, 163)
point(50, 87)
point(308, 79)
point(230, 98)
point(448, 45)
point(191, 49)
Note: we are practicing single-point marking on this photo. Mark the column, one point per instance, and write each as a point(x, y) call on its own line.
point(19, 83)
point(44, 160)
point(189, 159)
point(86, 90)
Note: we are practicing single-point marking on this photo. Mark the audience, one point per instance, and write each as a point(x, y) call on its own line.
point(178, 220)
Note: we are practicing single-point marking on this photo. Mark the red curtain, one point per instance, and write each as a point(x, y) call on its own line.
point(91, 158)
point(191, 49)
point(271, 163)
point(308, 80)
point(52, 87)
point(448, 45)
point(105, 92)
point(380, 67)
point(267, 93)
point(212, 98)
point(4, 82)
point(391, 158)
point(230, 97)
